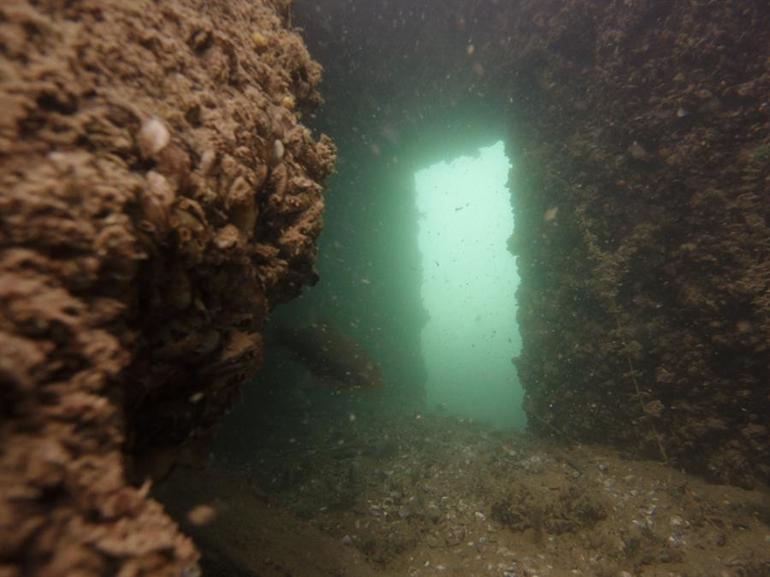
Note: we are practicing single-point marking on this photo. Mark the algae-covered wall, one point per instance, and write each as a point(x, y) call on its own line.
point(158, 194)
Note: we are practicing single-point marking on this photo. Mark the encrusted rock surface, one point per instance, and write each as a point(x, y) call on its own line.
point(158, 194)
point(642, 229)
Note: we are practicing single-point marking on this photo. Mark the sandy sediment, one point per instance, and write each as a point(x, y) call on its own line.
point(437, 496)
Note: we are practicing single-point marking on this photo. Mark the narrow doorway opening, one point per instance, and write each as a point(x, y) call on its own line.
point(469, 288)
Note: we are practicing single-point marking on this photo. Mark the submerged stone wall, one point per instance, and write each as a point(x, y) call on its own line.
point(158, 194)
point(641, 139)
point(643, 241)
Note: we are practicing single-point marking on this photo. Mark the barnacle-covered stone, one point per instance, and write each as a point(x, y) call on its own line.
point(157, 199)
point(135, 145)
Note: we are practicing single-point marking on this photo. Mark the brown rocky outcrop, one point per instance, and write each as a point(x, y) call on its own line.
point(158, 194)
point(642, 230)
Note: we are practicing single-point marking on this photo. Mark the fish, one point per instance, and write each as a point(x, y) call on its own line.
point(336, 358)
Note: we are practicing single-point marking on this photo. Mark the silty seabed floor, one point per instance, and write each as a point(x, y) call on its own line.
point(365, 495)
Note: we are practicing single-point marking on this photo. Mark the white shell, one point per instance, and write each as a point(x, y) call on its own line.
point(153, 137)
point(278, 151)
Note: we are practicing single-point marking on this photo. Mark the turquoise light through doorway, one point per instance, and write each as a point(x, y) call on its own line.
point(469, 286)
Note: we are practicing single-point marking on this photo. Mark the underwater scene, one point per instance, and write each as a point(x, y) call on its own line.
point(385, 288)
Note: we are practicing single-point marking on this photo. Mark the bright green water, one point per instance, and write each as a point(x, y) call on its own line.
point(468, 289)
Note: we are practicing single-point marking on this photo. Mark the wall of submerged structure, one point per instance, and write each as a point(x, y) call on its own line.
point(640, 137)
point(159, 195)
point(643, 239)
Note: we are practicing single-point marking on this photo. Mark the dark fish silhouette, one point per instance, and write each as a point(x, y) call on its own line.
point(336, 358)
